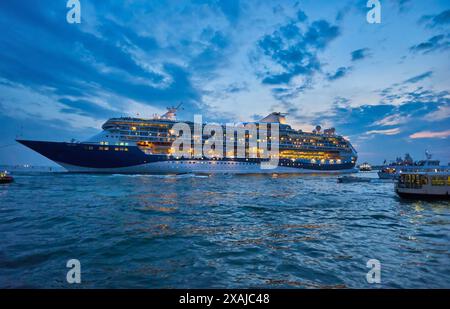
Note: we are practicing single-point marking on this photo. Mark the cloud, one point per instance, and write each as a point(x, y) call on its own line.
point(437, 20)
point(231, 9)
point(223, 58)
point(431, 134)
point(257, 117)
point(289, 92)
point(355, 120)
point(289, 55)
point(393, 131)
point(443, 112)
point(110, 59)
point(403, 5)
point(360, 54)
point(237, 87)
point(340, 72)
point(341, 102)
point(214, 44)
point(410, 113)
point(418, 78)
point(86, 108)
point(400, 93)
point(436, 43)
point(301, 16)
point(391, 120)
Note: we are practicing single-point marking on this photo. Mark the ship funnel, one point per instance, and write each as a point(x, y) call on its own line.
point(275, 117)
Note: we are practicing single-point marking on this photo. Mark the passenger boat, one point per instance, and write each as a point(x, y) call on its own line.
point(365, 167)
point(388, 172)
point(5, 178)
point(423, 185)
point(393, 170)
point(137, 145)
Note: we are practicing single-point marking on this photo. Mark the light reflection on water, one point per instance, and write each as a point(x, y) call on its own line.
point(218, 231)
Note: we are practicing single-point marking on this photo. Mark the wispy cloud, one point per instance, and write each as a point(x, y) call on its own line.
point(436, 20)
point(440, 42)
point(418, 78)
point(403, 5)
point(430, 134)
point(340, 72)
point(391, 120)
point(443, 112)
point(393, 131)
point(360, 54)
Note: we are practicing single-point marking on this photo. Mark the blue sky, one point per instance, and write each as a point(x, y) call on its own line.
point(384, 86)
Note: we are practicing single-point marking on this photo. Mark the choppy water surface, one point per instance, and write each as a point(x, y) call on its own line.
point(218, 231)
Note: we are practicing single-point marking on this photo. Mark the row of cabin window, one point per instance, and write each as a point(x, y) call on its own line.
point(423, 180)
point(116, 143)
point(215, 162)
point(440, 181)
point(107, 148)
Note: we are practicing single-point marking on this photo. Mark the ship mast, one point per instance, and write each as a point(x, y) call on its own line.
point(171, 113)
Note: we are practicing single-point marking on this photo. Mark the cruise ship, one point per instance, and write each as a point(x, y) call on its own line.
point(136, 145)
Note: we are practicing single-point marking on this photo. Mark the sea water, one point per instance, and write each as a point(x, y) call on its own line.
point(223, 231)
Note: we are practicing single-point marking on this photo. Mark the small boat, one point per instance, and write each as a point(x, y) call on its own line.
point(365, 167)
point(423, 185)
point(350, 179)
point(387, 172)
point(5, 178)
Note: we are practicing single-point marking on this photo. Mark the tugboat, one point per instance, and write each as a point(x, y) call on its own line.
point(365, 167)
point(5, 178)
point(424, 185)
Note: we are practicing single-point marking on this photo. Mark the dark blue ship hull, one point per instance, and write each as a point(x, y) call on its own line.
point(84, 157)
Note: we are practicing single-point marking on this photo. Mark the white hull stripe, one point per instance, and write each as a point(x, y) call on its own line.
point(206, 167)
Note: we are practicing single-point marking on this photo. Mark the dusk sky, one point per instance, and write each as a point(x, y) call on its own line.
point(386, 86)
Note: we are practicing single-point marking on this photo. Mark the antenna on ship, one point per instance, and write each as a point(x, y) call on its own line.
point(171, 113)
